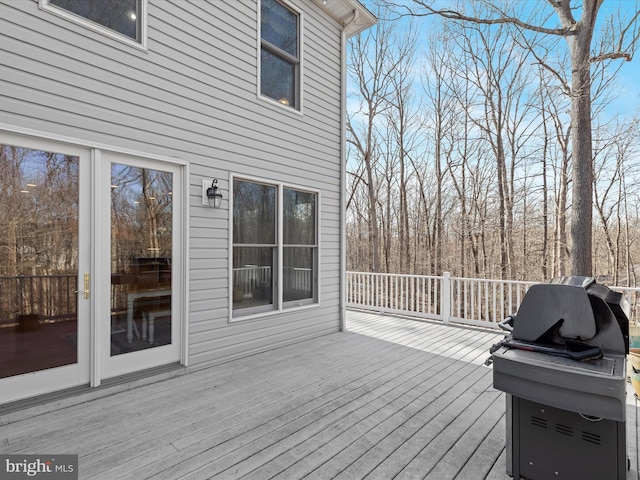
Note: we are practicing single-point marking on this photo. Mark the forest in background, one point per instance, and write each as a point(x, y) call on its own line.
point(459, 151)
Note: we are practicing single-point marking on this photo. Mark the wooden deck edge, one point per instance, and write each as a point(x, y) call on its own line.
point(50, 402)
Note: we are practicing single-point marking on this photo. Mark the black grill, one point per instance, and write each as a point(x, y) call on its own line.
point(563, 367)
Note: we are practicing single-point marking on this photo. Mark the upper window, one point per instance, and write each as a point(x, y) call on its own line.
point(280, 53)
point(275, 247)
point(124, 18)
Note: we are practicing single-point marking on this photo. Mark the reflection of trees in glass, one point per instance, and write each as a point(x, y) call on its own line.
point(279, 26)
point(277, 78)
point(39, 198)
point(39, 222)
point(299, 217)
point(279, 56)
point(123, 16)
point(299, 225)
point(141, 214)
point(254, 213)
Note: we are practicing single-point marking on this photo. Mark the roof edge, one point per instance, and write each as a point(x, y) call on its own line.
point(351, 14)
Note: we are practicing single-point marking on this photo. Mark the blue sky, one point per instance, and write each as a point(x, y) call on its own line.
point(627, 84)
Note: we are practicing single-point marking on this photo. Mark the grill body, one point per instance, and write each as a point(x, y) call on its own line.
point(550, 443)
point(565, 417)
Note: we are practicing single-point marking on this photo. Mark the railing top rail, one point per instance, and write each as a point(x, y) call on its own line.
point(408, 275)
point(526, 283)
point(625, 289)
point(493, 280)
point(55, 275)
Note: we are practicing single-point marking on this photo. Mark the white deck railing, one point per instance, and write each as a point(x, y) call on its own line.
point(246, 279)
point(473, 301)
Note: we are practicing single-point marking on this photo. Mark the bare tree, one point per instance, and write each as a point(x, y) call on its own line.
point(497, 72)
point(613, 147)
point(403, 123)
point(443, 102)
point(578, 33)
point(371, 72)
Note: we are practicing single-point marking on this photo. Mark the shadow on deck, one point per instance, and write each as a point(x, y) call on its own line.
point(391, 398)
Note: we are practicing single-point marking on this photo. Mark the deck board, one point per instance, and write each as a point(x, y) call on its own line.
point(391, 398)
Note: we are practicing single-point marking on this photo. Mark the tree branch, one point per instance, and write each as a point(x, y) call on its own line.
point(454, 15)
point(611, 56)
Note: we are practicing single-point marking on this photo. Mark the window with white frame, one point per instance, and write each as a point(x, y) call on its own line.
point(275, 247)
point(119, 18)
point(280, 53)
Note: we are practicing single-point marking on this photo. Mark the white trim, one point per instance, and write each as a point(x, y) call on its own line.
point(97, 264)
point(26, 385)
point(299, 109)
point(184, 237)
point(90, 366)
point(89, 144)
point(125, 363)
point(278, 106)
point(96, 27)
point(279, 247)
point(271, 313)
point(280, 308)
point(343, 174)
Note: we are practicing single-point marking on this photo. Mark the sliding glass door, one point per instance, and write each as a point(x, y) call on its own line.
point(91, 265)
point(144, 262)
point(44, 267)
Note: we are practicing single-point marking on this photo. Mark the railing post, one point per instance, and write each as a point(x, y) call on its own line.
point(445, 297)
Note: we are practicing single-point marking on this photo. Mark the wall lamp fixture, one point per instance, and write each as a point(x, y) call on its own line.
point(213, 194)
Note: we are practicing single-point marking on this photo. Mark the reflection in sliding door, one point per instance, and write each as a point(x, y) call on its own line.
point(141, 251)
point(38, 260)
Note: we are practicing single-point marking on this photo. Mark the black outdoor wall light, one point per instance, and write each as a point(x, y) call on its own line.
point(213, 194)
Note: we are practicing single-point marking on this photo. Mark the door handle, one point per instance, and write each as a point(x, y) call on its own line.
point(87, 284)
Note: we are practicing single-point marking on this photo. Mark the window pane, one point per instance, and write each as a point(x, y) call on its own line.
point(279, 26)
point(141, 246)
point(299, 217)
point(254, 213)
point(38, 260)
point(278, 79)
point(298, 272)
point(252, 276)
point(123, 16)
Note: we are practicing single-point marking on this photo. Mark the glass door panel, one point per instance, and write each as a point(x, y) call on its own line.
point(39, 192)
point(141, 258)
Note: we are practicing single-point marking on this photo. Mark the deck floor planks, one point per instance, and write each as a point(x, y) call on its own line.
point(243, 411)
point(393, 453)
point(377, 381)
point(385, 432)
point(375, 397)
point(369, 417)
point(488, 451)
point(392, 398)
point(188, 385)
point(476, 342)
point(194, 438)
point(160, 405)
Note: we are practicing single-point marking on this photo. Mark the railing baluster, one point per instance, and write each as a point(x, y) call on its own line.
point(494, 302)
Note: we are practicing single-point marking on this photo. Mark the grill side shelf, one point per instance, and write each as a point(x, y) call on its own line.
point(596, 388)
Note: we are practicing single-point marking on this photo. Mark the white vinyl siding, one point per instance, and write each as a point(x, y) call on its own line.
point(192, 95)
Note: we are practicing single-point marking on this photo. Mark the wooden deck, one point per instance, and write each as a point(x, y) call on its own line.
point(391, 398)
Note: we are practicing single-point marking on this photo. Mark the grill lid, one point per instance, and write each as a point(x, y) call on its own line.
point(548, 306)
point(570, 310)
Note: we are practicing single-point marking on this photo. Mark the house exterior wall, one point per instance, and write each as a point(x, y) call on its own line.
point(193, 95)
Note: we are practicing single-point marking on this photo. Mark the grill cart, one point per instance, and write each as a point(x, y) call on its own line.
point(563, 370)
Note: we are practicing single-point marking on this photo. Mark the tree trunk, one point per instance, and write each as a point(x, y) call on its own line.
point(582, 178)
point(374, 246)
